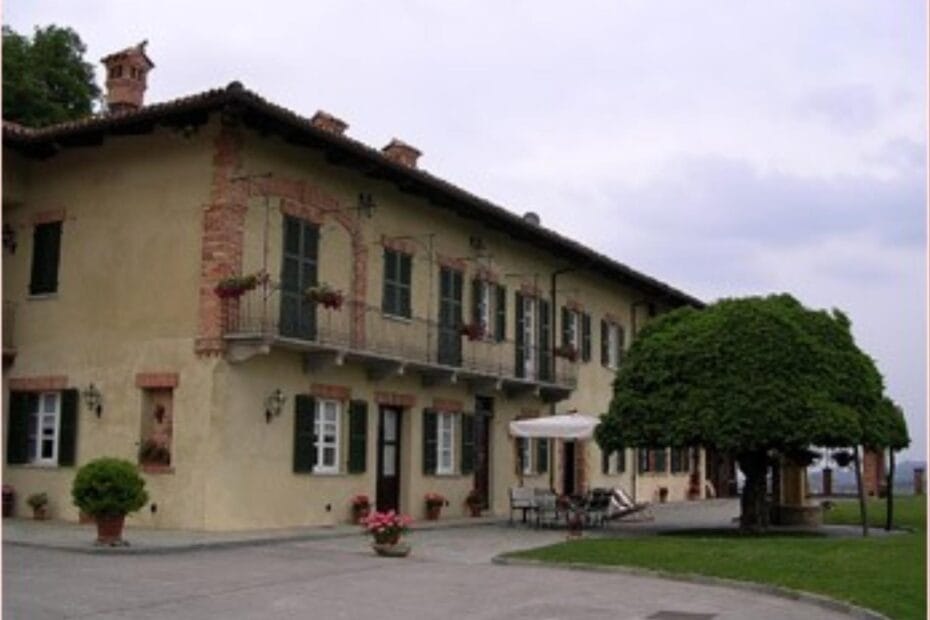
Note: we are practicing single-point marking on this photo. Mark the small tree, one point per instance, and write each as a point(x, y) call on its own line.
point(109, 487)
point(46, 79)
point(751, 377)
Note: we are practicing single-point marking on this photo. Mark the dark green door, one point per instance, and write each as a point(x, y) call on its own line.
point(450, 317)
point(298, 272)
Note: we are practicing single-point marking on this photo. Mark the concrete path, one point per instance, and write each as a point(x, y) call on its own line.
point(448, 575)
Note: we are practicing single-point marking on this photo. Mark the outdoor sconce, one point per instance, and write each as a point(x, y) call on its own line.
point(274, 404)
point(93, 399)
point(9, 238)
point(366, 205)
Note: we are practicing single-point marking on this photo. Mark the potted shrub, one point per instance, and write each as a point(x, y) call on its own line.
point(663, 494)
point(234, 287)
point(108, 489)
point(434, 504)
point(361, 507)
point(386, 528)
point(474, 501)
point(324, 295)
point(39, 504)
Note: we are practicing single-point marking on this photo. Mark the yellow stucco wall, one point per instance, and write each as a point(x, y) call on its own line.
point(128, 303)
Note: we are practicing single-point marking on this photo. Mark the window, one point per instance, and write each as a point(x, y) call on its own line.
point(489, 308)
point(526, 456)
point(445, 440)
point(612, 344)
point(571, 329)
point(396, 297)
point(644, 462)
point(326, 429)
point(658, 460)
point(680, 460)
point(42, 428)
point(613, 462)
point(46, 248)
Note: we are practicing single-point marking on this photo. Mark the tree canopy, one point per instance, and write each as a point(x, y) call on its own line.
point(46, 79)
point(746, 377)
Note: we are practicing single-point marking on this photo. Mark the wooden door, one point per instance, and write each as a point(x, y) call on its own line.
point(484, 409)
point(388, 479)
point(298, 273)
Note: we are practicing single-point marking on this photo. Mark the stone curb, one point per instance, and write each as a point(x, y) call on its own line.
point(817, 600)
point(92, 549)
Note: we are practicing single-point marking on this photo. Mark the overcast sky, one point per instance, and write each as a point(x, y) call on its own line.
point(728, 148)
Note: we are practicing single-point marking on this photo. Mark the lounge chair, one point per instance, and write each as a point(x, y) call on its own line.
point(622, 505)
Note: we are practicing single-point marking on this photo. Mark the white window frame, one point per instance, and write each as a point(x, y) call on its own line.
point(530, 319)
point(318, 427)
point(574, 328)
point(445, 443)
point(486, 308)
point(527, 450)
point(39, 415)
point(613, 346)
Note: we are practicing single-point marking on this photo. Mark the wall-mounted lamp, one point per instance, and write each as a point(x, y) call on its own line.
point(274, 404)
point(93, 399)
point(366, 205)
point(9, 238)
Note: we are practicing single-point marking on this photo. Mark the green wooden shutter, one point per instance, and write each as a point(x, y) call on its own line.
point(621, 343)
point(358, 436)
point(405, 262)
point(500, 331)
point(660, 460)
point(586, 337)
point(542, 456)
point(605, 345)
point(605, 461)
point(17, 439)
point(566, 326)
point(519, 368)
point(621, 461)
point(67, 431)
point(389, 289)
point(304, 433)
point(429, 442)
point(545, 340)
point(46, 250)
point(468, 444)
point(642, 456)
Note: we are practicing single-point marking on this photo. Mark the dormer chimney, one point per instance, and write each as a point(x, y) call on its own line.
point(126, 78)
point(402, 153)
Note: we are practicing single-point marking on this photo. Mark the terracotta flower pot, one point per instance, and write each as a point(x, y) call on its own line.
point(475, 509)
point(360, 513)
point(110, 530)
point(40, 513)
point(395, 550)
point(432, 512)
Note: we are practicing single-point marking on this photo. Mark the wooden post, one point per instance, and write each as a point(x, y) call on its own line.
point(889, 496)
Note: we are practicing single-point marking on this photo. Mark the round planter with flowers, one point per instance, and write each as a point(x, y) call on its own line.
point(386, 530)
point(434, 504)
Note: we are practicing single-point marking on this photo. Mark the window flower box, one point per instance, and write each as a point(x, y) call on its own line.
point(234, 287)
point(325, 295)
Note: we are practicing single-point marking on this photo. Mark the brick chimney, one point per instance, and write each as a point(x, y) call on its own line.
point(126, 75)
point(328, 122)
point(402, 153)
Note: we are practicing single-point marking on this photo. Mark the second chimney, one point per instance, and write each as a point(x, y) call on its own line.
point(402, 153)
point(126, 78)
point(328, 122)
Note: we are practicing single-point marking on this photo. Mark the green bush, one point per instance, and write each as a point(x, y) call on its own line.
point(109, 487)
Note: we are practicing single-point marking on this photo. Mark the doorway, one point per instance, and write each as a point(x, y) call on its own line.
point(484, 410)
point(388, 480)
point(568, 468)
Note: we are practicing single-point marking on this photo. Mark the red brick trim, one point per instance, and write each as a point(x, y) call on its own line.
point(404, 246)
point(450, 262)
point(574, 304)
point(152, 380)
point(331, 391)
point(301, 211)
point(448, 405)
point(47, 217)
point(38, 383)
point(610, 318)
point(530, 290)
point(395, 399)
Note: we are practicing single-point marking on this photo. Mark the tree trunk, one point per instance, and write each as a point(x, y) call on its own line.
point(754, 515)
point(861, 488)
point(889, 494)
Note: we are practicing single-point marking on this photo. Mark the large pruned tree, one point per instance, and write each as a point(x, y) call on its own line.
point(46, 79)
point(752, 377)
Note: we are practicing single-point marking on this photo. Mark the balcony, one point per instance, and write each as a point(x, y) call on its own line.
point(389, 346)
point(9, 319)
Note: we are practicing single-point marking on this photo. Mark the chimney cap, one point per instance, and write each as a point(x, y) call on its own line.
point(532, 217)
point(327, 122)
point(402, 153)
point(133, 50)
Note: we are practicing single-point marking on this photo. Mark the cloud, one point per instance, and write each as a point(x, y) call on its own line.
point(849, 107)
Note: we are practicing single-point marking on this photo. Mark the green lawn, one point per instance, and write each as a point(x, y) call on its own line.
point(883, 573)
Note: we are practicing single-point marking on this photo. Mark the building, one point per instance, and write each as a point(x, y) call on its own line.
point(394, 326)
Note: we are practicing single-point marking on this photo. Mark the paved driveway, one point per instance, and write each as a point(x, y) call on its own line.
point(448, 576)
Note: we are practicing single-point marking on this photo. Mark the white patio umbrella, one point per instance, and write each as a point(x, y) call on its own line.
point(565, 426)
